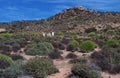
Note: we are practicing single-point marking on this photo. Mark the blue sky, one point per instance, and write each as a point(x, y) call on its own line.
point(13, 10)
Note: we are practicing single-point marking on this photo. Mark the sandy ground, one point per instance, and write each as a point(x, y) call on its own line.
point(107, 75)
point(65, 68)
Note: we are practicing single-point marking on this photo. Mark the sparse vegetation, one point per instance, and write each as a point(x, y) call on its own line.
point(82, 71)
point(71, 56)
point(39, 67)
point(77, 30)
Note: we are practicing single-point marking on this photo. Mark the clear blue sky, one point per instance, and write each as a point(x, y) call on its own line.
point(13, 10)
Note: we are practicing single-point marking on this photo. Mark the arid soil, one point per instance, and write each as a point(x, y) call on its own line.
point(65, 68)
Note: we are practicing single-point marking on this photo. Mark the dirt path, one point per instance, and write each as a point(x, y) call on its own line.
point(107, 75)
point(65, 68)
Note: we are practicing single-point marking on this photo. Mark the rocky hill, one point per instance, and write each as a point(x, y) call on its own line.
point(72, 19)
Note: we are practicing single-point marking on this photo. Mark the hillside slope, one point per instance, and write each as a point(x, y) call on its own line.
point(77, 18)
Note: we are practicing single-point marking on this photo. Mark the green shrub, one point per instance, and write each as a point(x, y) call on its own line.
point(61, 33)
point(71, 56)
point(58, 45)
point(8, 35)
point(31, 45)
point(14, 70)
point(5, 61)
point(90, 30)
point(81, 60)
point(39, 67)
point(74, 43)
point(87, 45)
point(107, 60)
point(71, 48)
point(40, 49)
point(16, 57)
point(91, 33)
point(94, 74)
point(55, 55)
point(4, 64)
point(82, 71)
point(5, 57)
point(112, 43)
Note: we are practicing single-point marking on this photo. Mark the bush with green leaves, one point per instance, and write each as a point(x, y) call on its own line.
point(39, 67)
point(56, 54)
point(87, 45)
point(81, 60)
point(71, 56)
point(112, 43)
point(40, 49)
point(65, 40)
point(5, 57)
point(5, 61)
point(90, 30)
point(4, 64)
point(82, 71)
point(58, 45)
point(107, 60)
point(71, 48)
point(73, 45)
point(92, 34)
point(16, 57)
point(14, 70)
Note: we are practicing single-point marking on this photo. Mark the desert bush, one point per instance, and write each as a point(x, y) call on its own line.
point(5, 49)
point(92, 34)
point(32, 44)
point(105, 66)
point(56, 54)
point(81, 60)
point(90, 30)
point(112, 43)
point(99, 55)
point(100, 42)
point(58, 45)
point(61, 33)
point(65, 41)
point(4, 64)
point(82, 71)
point(15, 47)
point(74, 43)
point(115, 69)
point(16, 57)
point(87, 45)
point(94, 74)
point(71, 56)
point(107, 61)
point(39, 67)
point(5, 61)
point(71, 48)
point(14, 70)
point(5, 57)
point(40, 49)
